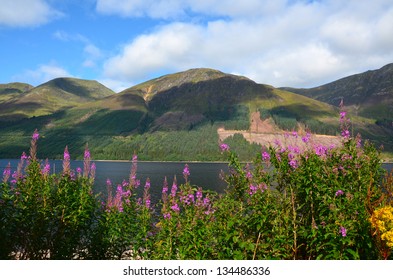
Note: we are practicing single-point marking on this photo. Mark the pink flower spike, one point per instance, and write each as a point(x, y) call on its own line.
point(23, 156)
point(36, 135)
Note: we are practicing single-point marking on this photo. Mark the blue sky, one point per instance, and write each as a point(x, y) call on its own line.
point(123, 42)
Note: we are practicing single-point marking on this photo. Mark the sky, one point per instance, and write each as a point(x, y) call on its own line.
point(121, 43)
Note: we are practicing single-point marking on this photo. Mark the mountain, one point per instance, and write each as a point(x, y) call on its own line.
point(368, 97)
point(50, 97)
point(14, 88)
point(185, 99)
point(174, 117)
point(370, 94)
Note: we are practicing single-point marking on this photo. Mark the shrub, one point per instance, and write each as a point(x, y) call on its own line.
point(303, 201)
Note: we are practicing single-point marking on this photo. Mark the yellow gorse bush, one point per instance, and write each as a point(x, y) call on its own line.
point(382, 221)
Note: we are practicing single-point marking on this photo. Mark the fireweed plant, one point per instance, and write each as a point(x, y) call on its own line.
point(300, 200)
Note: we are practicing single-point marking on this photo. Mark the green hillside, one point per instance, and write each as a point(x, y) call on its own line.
point(368, 97)
point(50, 97)
point(173, 117)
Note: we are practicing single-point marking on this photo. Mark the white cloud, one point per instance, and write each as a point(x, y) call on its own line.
point(24, 13)
point(43, 73)
point(172, 46)
point(139, 8)
point(67, 37)
point(166, 9)
point(283, 43)
point(115, 85)
point(91, 52)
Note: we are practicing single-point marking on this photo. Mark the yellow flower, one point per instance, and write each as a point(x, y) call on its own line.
point(382, 221)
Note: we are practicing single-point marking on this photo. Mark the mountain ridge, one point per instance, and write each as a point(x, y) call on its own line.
point(153, 118)
point(364, 92)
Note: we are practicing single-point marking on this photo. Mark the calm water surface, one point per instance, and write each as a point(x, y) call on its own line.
point(205, 175)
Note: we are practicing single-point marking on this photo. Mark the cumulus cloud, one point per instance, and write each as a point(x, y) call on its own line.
point(283, 43)
point(25, 13)
point(92, 54)
point(166, 9)
point(42, 74)
point(90, 51)
point(172, 46)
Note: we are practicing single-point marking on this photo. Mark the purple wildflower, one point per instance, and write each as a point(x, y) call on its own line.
point(345, 133)
point(293, 163)
point(174, 187)
point(79, 170)
point(306, 138)
point(93, 171)
point(358, 141)
point(7, 173)
point(186, 172)
point(294, 149)
point(277, 142)
point(108, 182)
point(36, 135)
point(224, 147)
point(165, 187)
point(344, 125)
point(294, 134)
point(87, 153)
point(175, 208)
point(115, 202)
point(206, 202)
point(167, 216)
point(66, 161)
point(320, 150)
point(66, 154)
point(191, 197)
point(199, 194)
point(46, 169)
point(147, 184)
point(343, 231)
point(339, 193)
point(33, 145)
point(265, 156)
point(253, 189)
point(23, 156)
point(147, 203)
point(249, 175)
point(86, 162)
point(132, 179)
point(15, 178)
point(146, 194)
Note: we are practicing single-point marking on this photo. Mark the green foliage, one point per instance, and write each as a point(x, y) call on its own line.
point(239, 119)
point(285, 123)
point(46, 216)
point(318, 127)
point(310, 202)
